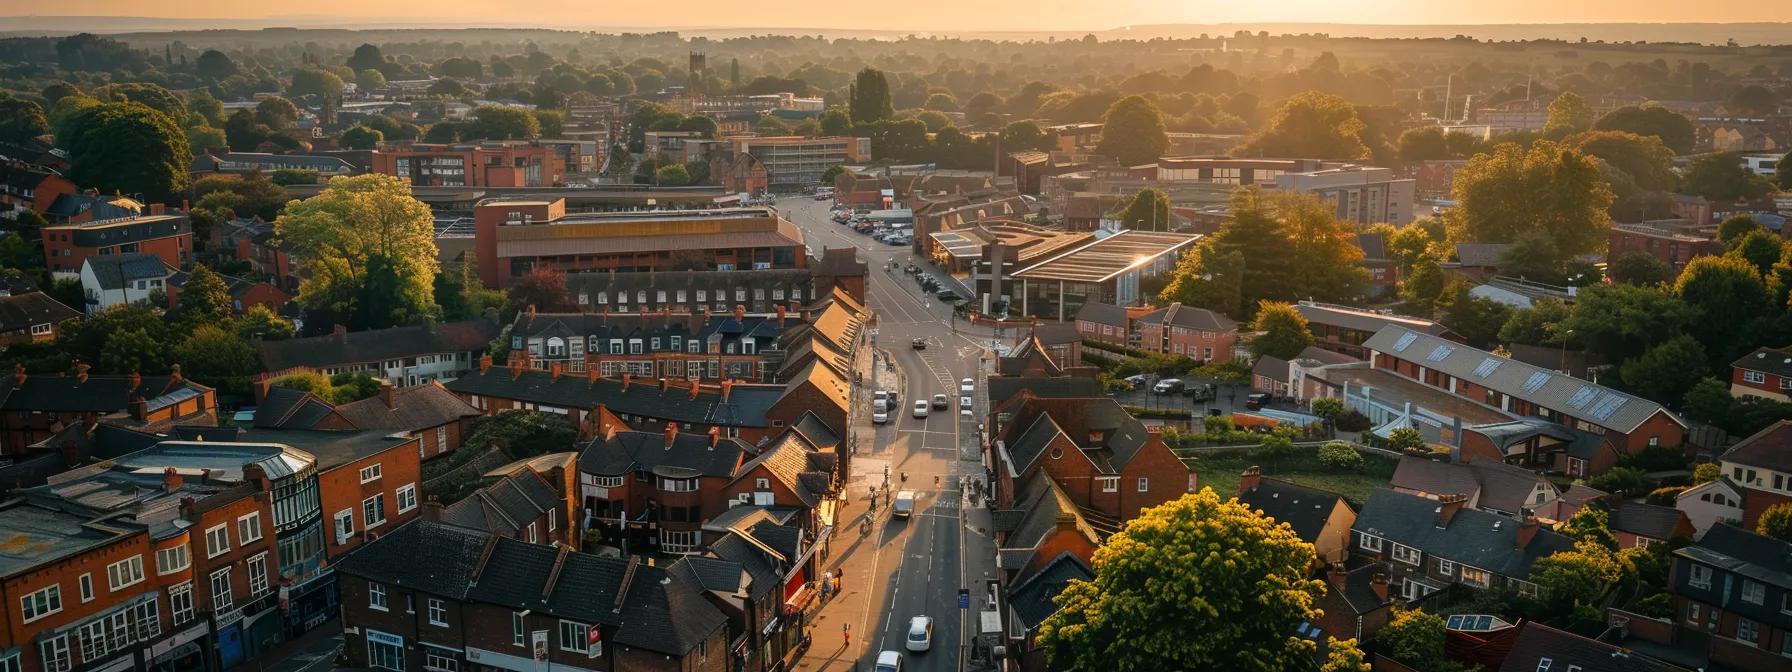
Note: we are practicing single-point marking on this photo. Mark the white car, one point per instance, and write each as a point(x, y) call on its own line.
point(904, 504)
point(888, 661)
point(920, 633)
point(880, 416)
point(967, 386)
point(920, 408)
point(964, 406)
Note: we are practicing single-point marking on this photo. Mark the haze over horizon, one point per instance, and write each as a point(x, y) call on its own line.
point(920, 15)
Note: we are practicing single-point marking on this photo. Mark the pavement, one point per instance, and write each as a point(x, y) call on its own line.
point(914, 566)
point(315, 651)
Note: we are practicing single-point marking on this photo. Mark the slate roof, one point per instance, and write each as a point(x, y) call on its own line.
point(1481, 254)
point(714, 574)
point(787, 461)
point(114, 271)
point(1373, 245)
point(660, 610)
point(1358, 593)
point(1734, 549)
point(20, 312)
point(1273, 368)
point(1648, 520)
point(1189, 317)
point(1003, 388)
point(689, 455)
point(1032, 598)
point(332, 449)
point(1563, 649)
point(652, 282)
point(818, 433)
point(1480, 539)
point(506, 507)
point(1044, 507)
point(1588, 401)
point(1358, 319)
point(1777, 361)
point(1102, 313)
point(1304, 509)
point(285, 408)
point(1315, 353)
point(760, 567)
point(99, 394)
point(1502, 487)
point(413, 408)
point(1031, 443)
point(746, 405)
point(763, 330)
point(378, 345)
point(1770, 448)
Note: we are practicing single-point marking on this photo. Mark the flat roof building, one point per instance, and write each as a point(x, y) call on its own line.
point(1107, 270)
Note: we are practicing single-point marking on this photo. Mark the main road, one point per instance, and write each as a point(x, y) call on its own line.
point(921, 562)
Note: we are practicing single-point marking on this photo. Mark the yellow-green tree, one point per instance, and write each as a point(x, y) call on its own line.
point(1311, 125)
point(1776, 522)
point(1281, 331)
point(1567, 114)
point(369, 248)
point(1343, 655)
point(1546, 190)
point(1199, 583)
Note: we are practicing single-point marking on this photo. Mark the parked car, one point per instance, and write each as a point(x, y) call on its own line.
point(880, 415)
point(920, 633)
point(904, 505)
point(1257, 400)
point(941, 402)
point(949, 296)
point(888, 661)
point(1139, 380)
point(1167, 386)
point(964, 405)
point(1199, 391)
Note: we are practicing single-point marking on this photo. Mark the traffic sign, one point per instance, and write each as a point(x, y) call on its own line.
point(964, 598)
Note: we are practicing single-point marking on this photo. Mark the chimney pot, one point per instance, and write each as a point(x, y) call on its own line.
point(485, 363)
point(81, 373)
point(18, 374)
point(171, 480)
point(727, 389)
point(715, 437)
point(1447, 506)
point(664, 383)
point(626, 379)
point(1527, 530)
point(1379, 584)
point(671, 434)
point(386, 395)
point(554, 371)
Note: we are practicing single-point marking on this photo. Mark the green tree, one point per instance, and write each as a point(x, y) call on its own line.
point(673, 175)
point(255, 194)
point(1622, 321)
point(1412, 637)
point(1637, 267)
point(21, 120)
point(354, 222)
point(213, 65)
point(505, 122)
point(129, 350)
point(447, 88)
point(1760, 248)
point(1281, 331)
point(1709, 400)
point(1735, 227)
point(1547, 189)
point(1753, 100)
point(1312, 125)
point(1209, 277)
point(1423, 285)
point(1728, 294)
point(1149, 210)
point(315, 82)
point(1343, 655)
point(1674, 129)
point(1782, 173)
point(217, 356)
point(369, 80)
point(203, 138)
point(1581, 578)
point(836, 121)
point(365, 57)
point(1406, 439)
point(1339, 456)
point(128, 148)
point(1706, 473)
point(287, 177)
point(1425, 143)
point(771, 126)
point(277, 113)
point(1593, 525)
point(1776, 522)
point(1666, 371)
point(1329, 408)
point(934, 120)
point(553, 122)
point(1644, 158)
point(361, 137)
point(205, 299)
point(1024, 135)
point(1722, 177)
point(1289, 246)
point(258, 322)
point(1568, 114)
point(1198, 583)
point(1133, 132)
point(1541, 324)
point(869, 97)
point(943, 102)
point(1478, 319)
point(156, 97)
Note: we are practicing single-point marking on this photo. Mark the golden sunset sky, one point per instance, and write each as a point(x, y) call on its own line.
point(935, 15)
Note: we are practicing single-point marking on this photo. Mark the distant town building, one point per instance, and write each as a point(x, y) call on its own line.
point(485, 164)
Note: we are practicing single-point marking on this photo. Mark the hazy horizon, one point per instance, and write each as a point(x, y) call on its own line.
point(917, 15)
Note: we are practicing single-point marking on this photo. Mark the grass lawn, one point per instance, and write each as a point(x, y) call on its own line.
point(1221, 471)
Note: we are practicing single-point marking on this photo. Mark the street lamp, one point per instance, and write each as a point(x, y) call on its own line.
point(1562, 363)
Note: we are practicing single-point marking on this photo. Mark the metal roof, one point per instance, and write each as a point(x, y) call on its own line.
point(1103, 259)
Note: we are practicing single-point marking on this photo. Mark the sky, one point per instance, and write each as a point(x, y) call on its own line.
point(931, 15)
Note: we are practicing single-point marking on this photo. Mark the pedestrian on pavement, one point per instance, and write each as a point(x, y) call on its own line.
point(846, 635)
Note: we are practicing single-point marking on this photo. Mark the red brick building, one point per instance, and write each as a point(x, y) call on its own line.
point(1196, 333)
point(32, 317)
point(168, 236)
point(1760, 468)
point(485, 164)
point(1105, 461)
point(1765, 373)
point(33, 407)
point(31, 187)
point(437, 418)
point(1674, 246)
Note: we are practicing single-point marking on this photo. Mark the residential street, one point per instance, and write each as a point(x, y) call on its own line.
point(916, 565)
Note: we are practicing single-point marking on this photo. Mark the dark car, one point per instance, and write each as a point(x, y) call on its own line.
point(1257, 400)
point(918, 344)
point(949, 296)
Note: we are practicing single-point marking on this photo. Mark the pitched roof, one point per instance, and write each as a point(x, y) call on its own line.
point(746, 405)
point(1649, 520)
point(413, 408)
point(19, 312)
point(1481, 254)
point(1045, 508)
point(1475, 538)
point(1770, 448)
point(786, 461)
point(1033, 599)
point(1501, 486)
point(1777, 361)
point(286, 408)
point(1738, 550)
point(449, 568)
point(1359, 319)
point(114, 271)
point(98, 393)
point(1538, 642)
point(818, 433)
point(1003, 388)
point(1304, 509)
point(506, 507)
point(687, 455)
point(378, 345)
point(1102, 313)
point(1586, 400)
point(1189, 317)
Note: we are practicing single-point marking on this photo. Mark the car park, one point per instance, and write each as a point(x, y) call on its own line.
point(941, 402)
point(920, 633)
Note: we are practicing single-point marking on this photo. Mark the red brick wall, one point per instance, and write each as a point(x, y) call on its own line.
point(1167, 479)
point(341, 488)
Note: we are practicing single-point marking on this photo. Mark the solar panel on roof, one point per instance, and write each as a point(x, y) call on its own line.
point(1582, 396)
point(1536, 381)
point(1405, 341)
point(1439, 353)
point(1487, 367)
point(1607, 406)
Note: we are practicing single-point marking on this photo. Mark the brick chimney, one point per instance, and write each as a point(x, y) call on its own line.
point(1379, 584)
point(485, 363)
point(1252, 476)
point(518, 363)
point(18, 374)
point(340, 333)
point(531, 310)
point(554, 371)
point(174, 377)
point(715, 437)
point(81, 373)
point(432, 509)
point(727, 389)
point(626, 379)
point(1335, 575)
point(1447, 506)
point(740, 313)
point(1527, 530)
point(671, 434)
point(696, 388)
point(781, 314)
point(386, 395)
point(139, 407)
point(171, 480)
point(137, 381)
point(590, 376)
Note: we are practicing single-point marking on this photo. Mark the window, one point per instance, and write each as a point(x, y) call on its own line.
point(519, 630)
point(1369, 543)
point(121, 574)
point(1700, 577)
point(385, 651)
point(1753, 593)
point(86, 582)
point(345, 525)
point(1475, 577)
point(1543, 665)
point(407, 498)
point(370, 473)
point(533, 538)
point(248, 528)
point(1446, 568)
point(441, 440)
point(217, 540)
point(607, 481)
point(1144, 485)
point(435, 662)
point(572, 637)
point(550, 519)
point(1754, 377)
point(42, 603)
point(1748, 632)
point(258, 575)
point(1692, 612)
point(438, 613)
point(674, 541)
point(221, 601)
point(53, 654)
point(373, 511)
point(180, 603)
point(1108, 483)
point(376, 596)
point(170, 560)
point(1407, 554)
point(678, 484)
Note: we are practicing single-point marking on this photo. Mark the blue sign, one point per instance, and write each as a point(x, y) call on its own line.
point(964, 599)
